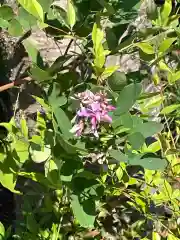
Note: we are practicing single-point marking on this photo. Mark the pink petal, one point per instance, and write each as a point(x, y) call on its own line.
point(106, 118)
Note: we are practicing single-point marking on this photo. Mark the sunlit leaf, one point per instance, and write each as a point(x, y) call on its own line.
point(33, 7)
point(71, 14)
point(145, 47)
point(166, 44)
point(38, 153)
point(170, 109)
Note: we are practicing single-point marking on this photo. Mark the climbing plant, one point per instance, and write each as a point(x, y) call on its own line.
point(97, 164)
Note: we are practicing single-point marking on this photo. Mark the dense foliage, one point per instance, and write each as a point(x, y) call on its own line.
point(103, 160)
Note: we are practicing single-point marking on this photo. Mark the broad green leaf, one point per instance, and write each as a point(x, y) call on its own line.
point(21, 151)
point(33, 7)
point(71, 14)
point(45, 4)
point(63, 123)
point(33, 52)
point(164, 66)
point(127, 98)
point(6, 12)
point(15, 29)
point(148, 129)
point(26, 20)
point(38, 74)
point(117, 81)
point(136, 140)
point(84, 211)
point(4, 23)
point(149, 163)
point(124, 120)
point(38, 153)
point(145, 47)
point(153, 148)
point(7, 178)
point(170, 109)
point(118, 155)
point(54, 98)
point(166, 44)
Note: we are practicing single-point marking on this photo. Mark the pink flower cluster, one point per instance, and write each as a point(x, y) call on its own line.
point(94, 109)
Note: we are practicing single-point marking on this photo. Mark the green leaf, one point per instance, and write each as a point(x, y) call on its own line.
point(119, 173)
point(172, 237)
point(33, 7)
point(15, 29)
point(26, 20)
point(21, 151)
point(7, 178)
point(170, 109)
point(117, 81)
point(4, 23)
point(2, 231)
point(39, 154)
point(176, 77)
point(108, 72)
point(136, 140)
point(166, 10)
point(166, 44)
point(97, 37)
point(45, 4)
point(71, 14)
point(108, 7)
point(145, 47)
point(156, 236)
point(149, 163)
point(127, 98)
point(33, 52)
point(54, 99)
point(118, 155)
point(39, 74)
point(6, 12)
point(63, 123)
point(84, 211)
point(24, 127)
point(41, 102)
point(148, 129)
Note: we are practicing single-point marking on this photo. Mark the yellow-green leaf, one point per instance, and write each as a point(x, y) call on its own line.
point(97, 37)
point(170, 109)
point(24, 127)
point(156, 236)
point(71, 14)
point(145, 47)
point(165, 45)
point(166, 10)
point(33, 7)
point(109, 71)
